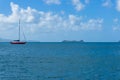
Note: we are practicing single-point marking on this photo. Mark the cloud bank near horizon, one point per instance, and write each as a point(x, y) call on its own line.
point(35, 21)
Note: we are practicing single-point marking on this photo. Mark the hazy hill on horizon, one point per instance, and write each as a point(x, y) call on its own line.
point(8, 40)
point(4, 40)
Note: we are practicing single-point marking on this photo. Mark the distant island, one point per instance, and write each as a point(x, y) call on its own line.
point(4, 40)
point(8, 40)
point(72, 41)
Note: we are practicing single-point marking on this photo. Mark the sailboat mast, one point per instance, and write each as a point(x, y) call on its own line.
point(18, 41)
point(19, 30)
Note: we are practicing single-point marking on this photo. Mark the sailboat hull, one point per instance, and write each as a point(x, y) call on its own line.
point(18, 42)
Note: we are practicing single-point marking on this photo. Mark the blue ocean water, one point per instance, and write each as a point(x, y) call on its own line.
point(60, 61)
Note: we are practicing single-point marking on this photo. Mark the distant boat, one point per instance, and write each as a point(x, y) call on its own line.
point(19, 40)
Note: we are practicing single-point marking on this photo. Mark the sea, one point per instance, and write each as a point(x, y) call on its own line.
point(60, 61)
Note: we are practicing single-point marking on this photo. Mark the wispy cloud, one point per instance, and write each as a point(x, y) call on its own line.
point(107, 3)
point(116, 20)
point(78, 5)
point(52, 1)
point(92, 24)
point(116, 24)
point(118, 5)
point(87, 1)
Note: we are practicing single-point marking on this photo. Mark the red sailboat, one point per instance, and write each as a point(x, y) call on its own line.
point(18, 41)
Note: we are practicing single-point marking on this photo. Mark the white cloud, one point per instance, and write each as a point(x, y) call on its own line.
point(35, 21)
point(78, 5)
point(92, 24)
point(27, 15)
point(52, 1)
point(107, 3)
point(118, 5)
point(11, 18)
point(116, 25)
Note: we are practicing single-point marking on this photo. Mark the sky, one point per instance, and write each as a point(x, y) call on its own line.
point(57, 20)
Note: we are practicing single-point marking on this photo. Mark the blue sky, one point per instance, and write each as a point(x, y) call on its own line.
point(57, 20)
